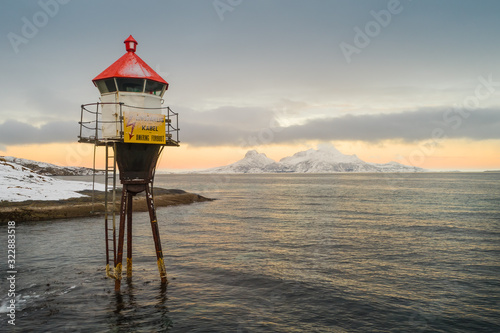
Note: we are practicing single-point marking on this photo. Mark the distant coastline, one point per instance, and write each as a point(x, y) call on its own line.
point(38, 210)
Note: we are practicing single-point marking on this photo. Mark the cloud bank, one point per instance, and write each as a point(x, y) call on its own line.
point(410, 126)
point(13, 132)
point(232, 126)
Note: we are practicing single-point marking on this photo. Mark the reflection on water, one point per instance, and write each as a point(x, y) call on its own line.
point(281, 253)
point(153, 314)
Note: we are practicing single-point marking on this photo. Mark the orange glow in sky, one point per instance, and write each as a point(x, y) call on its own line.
point(448, 155)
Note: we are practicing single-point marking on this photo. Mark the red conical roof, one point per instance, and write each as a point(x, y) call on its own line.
point(130, 66)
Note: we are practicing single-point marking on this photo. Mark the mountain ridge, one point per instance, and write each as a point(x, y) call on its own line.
point(47, 169)
point(325, 159)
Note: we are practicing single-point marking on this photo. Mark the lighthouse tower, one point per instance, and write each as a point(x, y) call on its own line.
point(132, 124)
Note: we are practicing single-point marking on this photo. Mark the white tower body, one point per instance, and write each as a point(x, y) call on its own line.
point(131, 82)
point(132, 102)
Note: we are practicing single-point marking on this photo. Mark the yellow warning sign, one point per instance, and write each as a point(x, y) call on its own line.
point(141, 127)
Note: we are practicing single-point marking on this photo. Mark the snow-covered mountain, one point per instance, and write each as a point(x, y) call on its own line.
point(19, 183)
point(326, 159)
point(253, 162)
point(48, 169)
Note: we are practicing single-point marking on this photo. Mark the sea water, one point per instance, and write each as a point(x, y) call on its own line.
point(277, 253)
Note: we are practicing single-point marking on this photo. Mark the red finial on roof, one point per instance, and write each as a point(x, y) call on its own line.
point(130, 44)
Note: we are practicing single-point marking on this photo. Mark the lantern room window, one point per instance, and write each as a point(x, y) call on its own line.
point(130, 85)
point(155, 88)
point(106, 86)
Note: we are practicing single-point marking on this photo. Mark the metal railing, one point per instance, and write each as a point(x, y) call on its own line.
point(170, 129)
point(91, 123)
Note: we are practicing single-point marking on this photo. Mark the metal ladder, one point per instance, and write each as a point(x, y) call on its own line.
point(110, 206)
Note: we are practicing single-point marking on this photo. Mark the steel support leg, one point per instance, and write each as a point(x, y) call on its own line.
point(121, 237)
point(129, 236)
point(106, 236)
point(156, 235)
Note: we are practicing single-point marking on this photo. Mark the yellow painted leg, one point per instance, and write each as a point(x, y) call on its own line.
point(118, 276)
point(129, 267)
point(162, 270)
point(108, 272)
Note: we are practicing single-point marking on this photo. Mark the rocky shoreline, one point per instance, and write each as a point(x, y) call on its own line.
point(34, 210)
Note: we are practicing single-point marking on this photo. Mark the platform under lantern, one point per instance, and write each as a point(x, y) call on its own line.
point(132, 124)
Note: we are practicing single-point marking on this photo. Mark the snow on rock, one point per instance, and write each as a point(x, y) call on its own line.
point(18, 183)
point(326, 159)
point(48, 169)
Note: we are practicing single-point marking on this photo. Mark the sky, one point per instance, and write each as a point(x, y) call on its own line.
point(417, 82)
